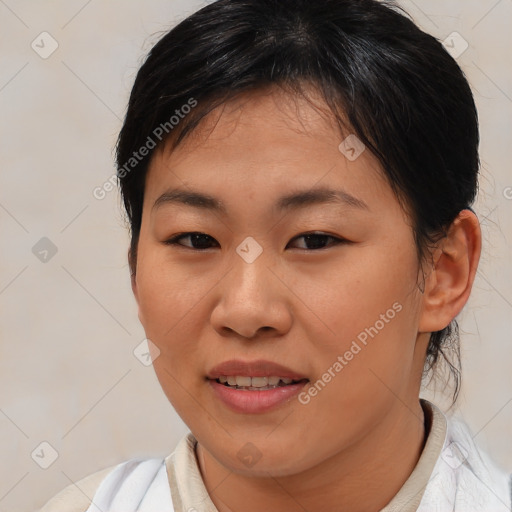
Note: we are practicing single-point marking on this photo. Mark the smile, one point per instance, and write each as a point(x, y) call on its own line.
point(255, 383)
point(255, 399)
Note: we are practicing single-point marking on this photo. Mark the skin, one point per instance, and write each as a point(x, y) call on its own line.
point(353, 445)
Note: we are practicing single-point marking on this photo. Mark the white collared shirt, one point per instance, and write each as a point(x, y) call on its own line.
point(452, 474)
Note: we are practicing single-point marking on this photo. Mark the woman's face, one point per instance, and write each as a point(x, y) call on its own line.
point(340, 309)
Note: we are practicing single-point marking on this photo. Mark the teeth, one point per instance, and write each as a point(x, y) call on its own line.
point(243, 381)
point(255, 382)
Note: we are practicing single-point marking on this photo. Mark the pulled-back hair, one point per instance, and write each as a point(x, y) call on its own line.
point(395, 86)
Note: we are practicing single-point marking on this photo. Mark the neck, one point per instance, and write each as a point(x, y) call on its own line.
point(362, 478)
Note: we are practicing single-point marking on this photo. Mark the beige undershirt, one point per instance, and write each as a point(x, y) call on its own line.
point(189, 492)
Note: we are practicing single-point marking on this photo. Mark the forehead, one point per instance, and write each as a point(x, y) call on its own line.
point(263, 116)
point(260, 143)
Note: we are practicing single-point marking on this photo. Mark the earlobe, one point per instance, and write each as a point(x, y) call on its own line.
point(448, 286)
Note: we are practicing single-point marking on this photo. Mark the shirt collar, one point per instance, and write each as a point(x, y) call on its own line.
point(189, 492)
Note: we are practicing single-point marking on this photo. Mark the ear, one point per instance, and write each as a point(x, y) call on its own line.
point(449, 283)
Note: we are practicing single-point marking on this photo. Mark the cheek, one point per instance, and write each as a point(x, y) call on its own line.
point(173, 309)
point(166, 297)
point(373, 288)
point(369, 312)
point(169, 305)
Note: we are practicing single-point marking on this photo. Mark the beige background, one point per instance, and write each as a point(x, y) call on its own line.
point(68, 375)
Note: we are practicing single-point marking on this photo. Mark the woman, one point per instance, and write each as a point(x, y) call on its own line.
point(255, 128)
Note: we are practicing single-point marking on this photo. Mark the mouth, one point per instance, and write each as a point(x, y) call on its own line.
point(255, 395)
point(255, 386)
point(243, 382)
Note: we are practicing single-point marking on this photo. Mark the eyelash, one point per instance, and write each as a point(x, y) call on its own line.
point(175, 239)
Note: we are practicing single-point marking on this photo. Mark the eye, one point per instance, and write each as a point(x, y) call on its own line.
point(317, 240)
point(195, 237)
point(201, 241)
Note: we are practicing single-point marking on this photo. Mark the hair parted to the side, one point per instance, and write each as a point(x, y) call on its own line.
point(395, 86)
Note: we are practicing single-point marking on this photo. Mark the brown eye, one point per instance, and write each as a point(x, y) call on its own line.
point(198, 240)
point(315, 241)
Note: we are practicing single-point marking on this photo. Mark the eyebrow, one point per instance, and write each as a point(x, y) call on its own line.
point(293, 201)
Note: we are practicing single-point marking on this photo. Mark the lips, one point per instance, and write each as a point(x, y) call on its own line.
point(257, 368)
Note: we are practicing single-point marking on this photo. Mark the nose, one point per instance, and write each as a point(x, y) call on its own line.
point(253, 301)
